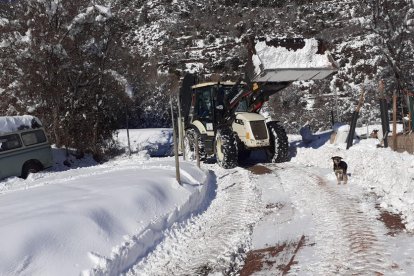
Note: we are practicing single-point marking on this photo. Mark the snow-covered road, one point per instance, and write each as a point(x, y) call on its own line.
point(339, 224)
point(213, 241)
point(316, 226)
point(346, 236)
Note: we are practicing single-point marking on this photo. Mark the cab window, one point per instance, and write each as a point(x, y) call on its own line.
point(33, 137)
point(242, 107)
point(9, 142)
point(203, 106)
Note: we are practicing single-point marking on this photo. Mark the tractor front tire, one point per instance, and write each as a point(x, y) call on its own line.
point(226, 148)
point(279, 145)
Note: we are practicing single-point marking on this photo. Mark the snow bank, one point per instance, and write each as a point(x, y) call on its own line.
point(14, 123)
point(137, 246)
point(269, 57)
point(155, 141)
point(95, 220)
point(388, 174)
point(341, 133)
point(70, 160)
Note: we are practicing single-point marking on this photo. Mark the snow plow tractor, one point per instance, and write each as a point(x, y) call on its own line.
point(223, 119)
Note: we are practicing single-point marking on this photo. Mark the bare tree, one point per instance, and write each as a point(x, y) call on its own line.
point(62, 55)
point(392, 22)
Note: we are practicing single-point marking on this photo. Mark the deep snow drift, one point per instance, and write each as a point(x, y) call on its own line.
point(156, 142)
point(97, 219)
point(72, 221)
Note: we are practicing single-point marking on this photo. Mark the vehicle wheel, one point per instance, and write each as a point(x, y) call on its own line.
point(226, 148)
point(189, 144)
point(279, 145)
point(31, 167)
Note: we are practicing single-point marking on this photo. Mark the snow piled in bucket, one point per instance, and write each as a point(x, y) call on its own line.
point(14, 123)
point(269, 57)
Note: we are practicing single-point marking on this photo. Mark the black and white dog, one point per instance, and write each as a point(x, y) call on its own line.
point(340, 168)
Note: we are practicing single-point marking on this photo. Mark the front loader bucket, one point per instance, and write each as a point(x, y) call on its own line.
point(293, 74)
point(287, 60)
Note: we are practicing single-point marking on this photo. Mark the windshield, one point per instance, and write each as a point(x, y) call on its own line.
point(203, 106)
point(242, 107)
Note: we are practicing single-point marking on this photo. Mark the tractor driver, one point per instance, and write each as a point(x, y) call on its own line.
point(203, 109)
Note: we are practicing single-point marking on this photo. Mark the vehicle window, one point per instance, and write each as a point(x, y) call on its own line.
point(33, 137)
point(203, 104)
point(242, 107)
point(9, 142)
point(226, 89)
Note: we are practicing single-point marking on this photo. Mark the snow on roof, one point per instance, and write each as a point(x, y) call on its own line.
point(14, 123)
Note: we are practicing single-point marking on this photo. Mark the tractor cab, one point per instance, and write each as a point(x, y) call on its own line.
point(207, 109)
point(209, 103)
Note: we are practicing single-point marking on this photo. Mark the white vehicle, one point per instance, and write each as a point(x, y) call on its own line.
point(24, 147)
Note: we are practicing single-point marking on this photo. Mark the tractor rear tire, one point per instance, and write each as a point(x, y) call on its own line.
point(190, 137)
point(279, 145)
point(226, 148)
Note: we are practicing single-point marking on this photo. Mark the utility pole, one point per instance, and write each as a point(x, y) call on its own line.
point(180, 127)
point(384, 114)
point(336, 105)
point(177, 162)
point(394, 120)
point(127, 128)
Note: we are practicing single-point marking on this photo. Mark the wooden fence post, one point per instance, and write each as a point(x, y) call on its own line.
point(197, 150)
point(177, 162)
point(385, 121)
point(394, 120)
point(127, 129)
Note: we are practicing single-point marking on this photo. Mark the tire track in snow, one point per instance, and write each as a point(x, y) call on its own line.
point(346, 241)
point(366, 246)
point(215, 240)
